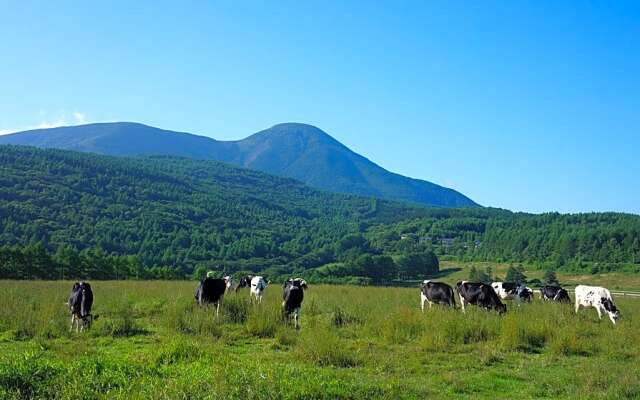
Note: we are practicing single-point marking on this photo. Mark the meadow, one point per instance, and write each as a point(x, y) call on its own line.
point(151, 341)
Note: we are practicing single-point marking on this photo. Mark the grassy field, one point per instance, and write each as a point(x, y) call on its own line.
point(150, 341)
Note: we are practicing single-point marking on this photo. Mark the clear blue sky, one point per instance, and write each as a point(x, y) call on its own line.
point(531, 106)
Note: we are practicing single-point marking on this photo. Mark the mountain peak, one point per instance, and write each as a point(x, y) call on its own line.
point(303, 135)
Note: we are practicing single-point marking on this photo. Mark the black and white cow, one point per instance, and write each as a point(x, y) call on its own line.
point(80, 303)
point(258, 285)
point(481, 295)
point(436, 292)
point(292, 297)
point(524, 293)
point(245, 281)
point(211, 291)
point(554, 293)
point(598, 298)
point(510, 291)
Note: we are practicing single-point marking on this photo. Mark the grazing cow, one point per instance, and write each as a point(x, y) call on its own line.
point(258, 285)
point(80, 302)
point(481, 295)
point(211, 291)
point(510, 291)
point(292, 296)
point(598, 298)
point(245, 281)
point(436, 292)
point(554, 293)
point(524, 293)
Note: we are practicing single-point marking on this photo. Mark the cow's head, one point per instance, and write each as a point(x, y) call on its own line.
point(297, 282)
point(611, 309)
point(228, 281)
point(84, 286)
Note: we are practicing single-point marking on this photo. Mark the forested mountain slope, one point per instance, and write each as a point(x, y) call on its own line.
point(594, 242)
point(174, 211)
point(117, 216)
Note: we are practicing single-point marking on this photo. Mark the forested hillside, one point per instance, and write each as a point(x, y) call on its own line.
point(168, 212)
point(68, 214)
point(590, 242)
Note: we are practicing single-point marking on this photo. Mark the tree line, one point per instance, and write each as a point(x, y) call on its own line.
point(167, 217)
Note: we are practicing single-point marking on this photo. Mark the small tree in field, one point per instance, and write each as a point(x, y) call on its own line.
point(477, 275)
point(550, 278)
point(473, 274)
point(515, 275)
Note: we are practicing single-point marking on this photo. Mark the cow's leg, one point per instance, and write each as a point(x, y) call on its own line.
point(577, 305)
point(599, 312)
point(296, 317)
point(72, 320)
point(462, 303)
point(422, 300)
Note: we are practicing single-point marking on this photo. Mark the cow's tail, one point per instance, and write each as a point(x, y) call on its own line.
point(453, 299)
point(83, 306)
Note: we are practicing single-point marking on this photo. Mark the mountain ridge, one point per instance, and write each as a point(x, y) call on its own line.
point(296, 150)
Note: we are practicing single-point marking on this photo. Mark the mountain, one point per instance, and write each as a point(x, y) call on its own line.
point(298, 151)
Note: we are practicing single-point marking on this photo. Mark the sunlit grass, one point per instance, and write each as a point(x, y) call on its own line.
point(152, 341)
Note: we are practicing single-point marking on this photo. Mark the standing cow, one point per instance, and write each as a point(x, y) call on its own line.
point(554, 293)
point(211, 291)
point(258, 285)
point(436, 292)
point(80, 302)
point(292, 297)
point(598, 298)
point(245, 281)
point(481, 295)
point(510, 291)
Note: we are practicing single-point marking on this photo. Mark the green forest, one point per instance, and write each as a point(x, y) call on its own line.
point(68, 215)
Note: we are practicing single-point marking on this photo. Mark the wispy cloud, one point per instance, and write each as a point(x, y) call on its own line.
point(79, 117)
point(62, 119)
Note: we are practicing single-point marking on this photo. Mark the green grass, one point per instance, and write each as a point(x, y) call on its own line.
point(151, 341)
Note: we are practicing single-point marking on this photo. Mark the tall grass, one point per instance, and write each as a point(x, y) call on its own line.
point(371, 340)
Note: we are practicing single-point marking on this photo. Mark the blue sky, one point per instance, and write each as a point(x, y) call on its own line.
point(530, 106)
